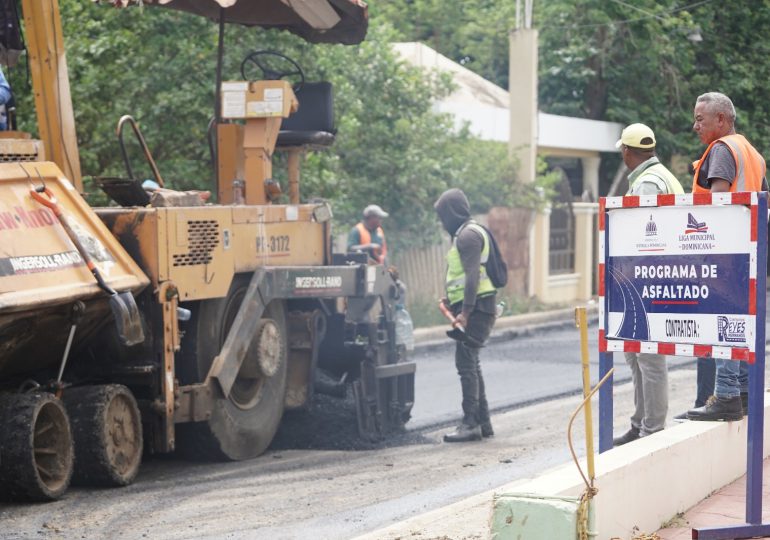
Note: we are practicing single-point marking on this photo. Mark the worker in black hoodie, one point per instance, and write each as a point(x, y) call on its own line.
point(471, 297)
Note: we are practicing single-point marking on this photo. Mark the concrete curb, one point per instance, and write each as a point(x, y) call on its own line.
point(506, 328)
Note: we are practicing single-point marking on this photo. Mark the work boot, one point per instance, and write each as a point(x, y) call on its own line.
point(718, 408)
point(486, 429)
point(629, 436)
point(464, 433)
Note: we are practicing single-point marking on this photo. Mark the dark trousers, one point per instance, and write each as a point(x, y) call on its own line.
point(707, 376)
point(475, 407)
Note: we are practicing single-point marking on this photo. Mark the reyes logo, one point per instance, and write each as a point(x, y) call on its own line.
point(731, 330)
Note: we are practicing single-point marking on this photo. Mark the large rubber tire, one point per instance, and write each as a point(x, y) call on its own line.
point(36, 455)
point(243, 425)
point(107, 430)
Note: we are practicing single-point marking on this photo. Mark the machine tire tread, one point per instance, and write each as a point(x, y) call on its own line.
point(200, 440)
point(87, 407)
point(19, 479)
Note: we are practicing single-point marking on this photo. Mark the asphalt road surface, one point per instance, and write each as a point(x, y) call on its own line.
point(517, 373)
point(316, 481)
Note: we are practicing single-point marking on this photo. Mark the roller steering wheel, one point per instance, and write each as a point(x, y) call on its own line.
point(269, 64)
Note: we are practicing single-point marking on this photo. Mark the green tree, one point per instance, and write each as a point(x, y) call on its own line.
point(474, 34)
point(159, 66)
point(601, 60)
point(149, 63)
point(614, 60)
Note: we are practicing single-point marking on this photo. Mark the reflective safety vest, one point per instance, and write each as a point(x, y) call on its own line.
point(455, 275)
point(661, 173)
point(365, 237)
point(750, 166)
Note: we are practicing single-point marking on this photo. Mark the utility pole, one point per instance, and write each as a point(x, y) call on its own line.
point(522, 88)
point(527, 14)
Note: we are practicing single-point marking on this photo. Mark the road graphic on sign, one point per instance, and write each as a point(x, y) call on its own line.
point(634, 324)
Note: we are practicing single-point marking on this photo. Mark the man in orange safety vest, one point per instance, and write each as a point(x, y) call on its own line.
point(729, 164)
point(368, 235)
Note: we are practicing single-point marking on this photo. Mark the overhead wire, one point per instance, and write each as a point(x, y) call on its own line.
point(629, 21)
point(637, 8)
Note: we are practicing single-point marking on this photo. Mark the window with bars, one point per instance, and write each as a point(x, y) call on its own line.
point(561, 248)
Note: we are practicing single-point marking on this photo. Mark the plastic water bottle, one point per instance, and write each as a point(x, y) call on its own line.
point(404, 328)
point(499, 309)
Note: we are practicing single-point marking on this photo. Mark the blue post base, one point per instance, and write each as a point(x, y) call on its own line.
point(733, 531)
point(605, 403)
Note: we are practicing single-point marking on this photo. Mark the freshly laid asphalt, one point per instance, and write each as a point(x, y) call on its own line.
point(324, 485)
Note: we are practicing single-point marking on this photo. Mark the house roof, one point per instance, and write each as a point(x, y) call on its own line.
point(483, 106)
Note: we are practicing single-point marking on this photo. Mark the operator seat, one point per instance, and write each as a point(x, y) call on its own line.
point(313, 123)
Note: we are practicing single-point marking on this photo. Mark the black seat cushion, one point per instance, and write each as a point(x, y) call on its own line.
point(313, 123)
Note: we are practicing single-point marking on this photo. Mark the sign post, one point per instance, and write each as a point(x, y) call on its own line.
point(685, 275)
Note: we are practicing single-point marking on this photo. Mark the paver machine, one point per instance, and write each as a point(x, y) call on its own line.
point(163, 321)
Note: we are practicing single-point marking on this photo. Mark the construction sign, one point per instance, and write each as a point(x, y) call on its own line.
point(685, 275)
point(681, 274)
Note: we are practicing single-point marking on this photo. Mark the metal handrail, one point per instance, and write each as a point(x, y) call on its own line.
point(128, 118)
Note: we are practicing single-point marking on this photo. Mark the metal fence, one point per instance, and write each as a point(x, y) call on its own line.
point(561, 248)
point(423, 270)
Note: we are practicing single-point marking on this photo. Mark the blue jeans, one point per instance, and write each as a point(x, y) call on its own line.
point(707, 372)
point(732, 378)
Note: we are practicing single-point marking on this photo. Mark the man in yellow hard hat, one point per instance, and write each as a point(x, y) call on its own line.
point(648, 371)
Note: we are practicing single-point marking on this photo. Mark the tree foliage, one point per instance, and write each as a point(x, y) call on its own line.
point(608, 60)
point(158, 65)
point(474, 34)
point(615, 60)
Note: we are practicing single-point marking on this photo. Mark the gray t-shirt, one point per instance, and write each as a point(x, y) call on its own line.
point(719, 163)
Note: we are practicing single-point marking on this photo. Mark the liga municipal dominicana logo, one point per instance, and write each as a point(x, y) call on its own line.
point(694, 226)
point(696, 236)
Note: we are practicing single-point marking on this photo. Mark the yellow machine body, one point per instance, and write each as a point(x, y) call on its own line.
point(39, 265)
point(50, 81)
point(199, 249)
point(240, 298)
point(246, 150)
point(41, 272)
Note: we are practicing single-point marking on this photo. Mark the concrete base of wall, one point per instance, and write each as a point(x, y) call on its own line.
point(534, 517)
point(646, 483)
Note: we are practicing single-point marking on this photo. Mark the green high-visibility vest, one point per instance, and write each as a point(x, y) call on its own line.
point(455, 275)
point(660, 173)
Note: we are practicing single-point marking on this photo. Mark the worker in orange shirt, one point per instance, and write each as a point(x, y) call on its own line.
point(368, 235)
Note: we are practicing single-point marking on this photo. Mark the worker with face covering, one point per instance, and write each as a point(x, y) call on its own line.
point(471, 297)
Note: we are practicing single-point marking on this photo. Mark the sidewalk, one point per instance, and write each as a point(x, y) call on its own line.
point(726, 506)
point(508, 327)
